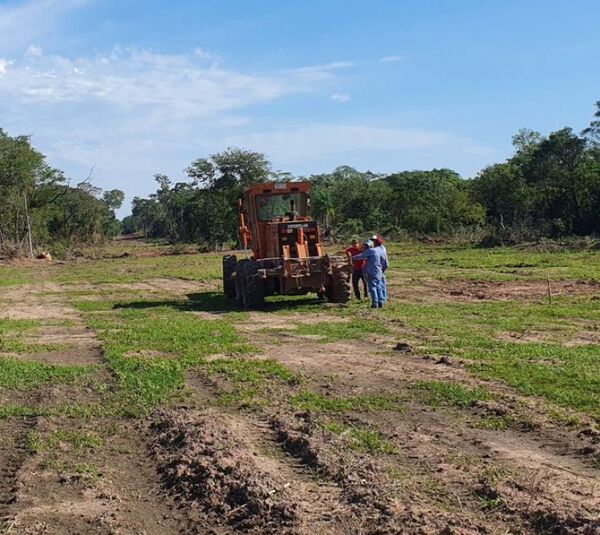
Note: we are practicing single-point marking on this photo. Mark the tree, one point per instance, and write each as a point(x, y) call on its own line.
point(432, 201)
point(230, 170)
point(549, 187)
point(502, 190)
point(592, 132)
point(113, 199)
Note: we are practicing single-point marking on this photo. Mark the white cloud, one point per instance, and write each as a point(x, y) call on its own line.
point(203, 54)
point(325, 140)
point(334, 65)
point(325, 71)
point(340, 97)
point(4, 63)
point(182, 85)
point(22, 22)
point(390, 59)
point(34, 51)
point(132, 110)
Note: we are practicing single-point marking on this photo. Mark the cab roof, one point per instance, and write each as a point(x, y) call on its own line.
point(275, 188)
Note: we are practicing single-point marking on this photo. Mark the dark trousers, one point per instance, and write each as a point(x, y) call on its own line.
point(357, 276)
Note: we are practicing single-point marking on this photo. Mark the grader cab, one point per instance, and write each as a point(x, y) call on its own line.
point(287, 256)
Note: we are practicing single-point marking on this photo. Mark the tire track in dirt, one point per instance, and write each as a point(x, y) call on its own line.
point(229, 472)
point(363, 490)
point(545, 483)
point(350, 368)
point(13, 454)
point(319, 501)
point(39, 301)
point(64, 489)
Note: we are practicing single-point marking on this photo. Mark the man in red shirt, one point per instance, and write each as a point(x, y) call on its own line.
point(357, 270)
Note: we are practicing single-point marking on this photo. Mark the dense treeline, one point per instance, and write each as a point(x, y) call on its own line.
point(38, 207)
point(550, 187)
point(346, 202)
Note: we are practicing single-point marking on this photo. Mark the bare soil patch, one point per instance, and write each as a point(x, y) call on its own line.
point(380, 492)
point(109, 489)
point(578, 338)
point(453, 290)
point(173, 286)
point(29, 311)
point(265, 320)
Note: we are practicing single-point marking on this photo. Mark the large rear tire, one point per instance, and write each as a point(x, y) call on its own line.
point(255, 292)
point(338, 290)
point(229, 263)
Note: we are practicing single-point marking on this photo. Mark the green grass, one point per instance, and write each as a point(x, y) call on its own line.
point(249, 380)
point(37, 442)
point(21, 411)
point(501, 263)
point(202, 268)
point(13, 332)
point(438, 393)
point(21, 375)
point(566, 375)
point(111, 408)
point(333, 331)
point(148, 346)
point(88, 472)
point(312, 401)
point(15, 275)
point(475, 331)
point(252, 371)
point(357, 438)
point(496, 423)
point(354, 329)
point(85, 472)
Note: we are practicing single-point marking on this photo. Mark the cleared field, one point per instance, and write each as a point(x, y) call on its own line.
point(134, 398)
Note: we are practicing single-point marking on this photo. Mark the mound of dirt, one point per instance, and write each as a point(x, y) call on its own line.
point(205, 460)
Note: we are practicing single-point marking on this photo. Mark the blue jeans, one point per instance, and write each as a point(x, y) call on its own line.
point(376, 290)
point(384, 287)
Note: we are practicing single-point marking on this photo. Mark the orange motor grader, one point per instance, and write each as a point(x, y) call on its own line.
point(287, 255)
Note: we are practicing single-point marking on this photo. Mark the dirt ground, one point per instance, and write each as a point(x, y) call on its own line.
point(432, 291)
point(196, 467)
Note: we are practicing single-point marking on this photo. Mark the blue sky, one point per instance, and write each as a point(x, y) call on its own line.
point(135, 88)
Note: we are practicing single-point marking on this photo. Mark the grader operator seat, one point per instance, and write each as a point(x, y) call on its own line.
point(287, 254)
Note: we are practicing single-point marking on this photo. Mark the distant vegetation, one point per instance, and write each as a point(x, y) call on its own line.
point(39, 208)
point(549, 188)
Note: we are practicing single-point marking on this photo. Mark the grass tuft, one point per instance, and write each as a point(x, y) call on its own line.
point(437, 393)
point(368, 440)
point(252, 371)
point(21, 375)
point(37, 442)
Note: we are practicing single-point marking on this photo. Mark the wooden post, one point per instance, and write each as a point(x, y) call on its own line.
point(549, 291)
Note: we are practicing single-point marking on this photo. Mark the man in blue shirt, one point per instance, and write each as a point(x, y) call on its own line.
point(378, 242)
point(374, 268)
